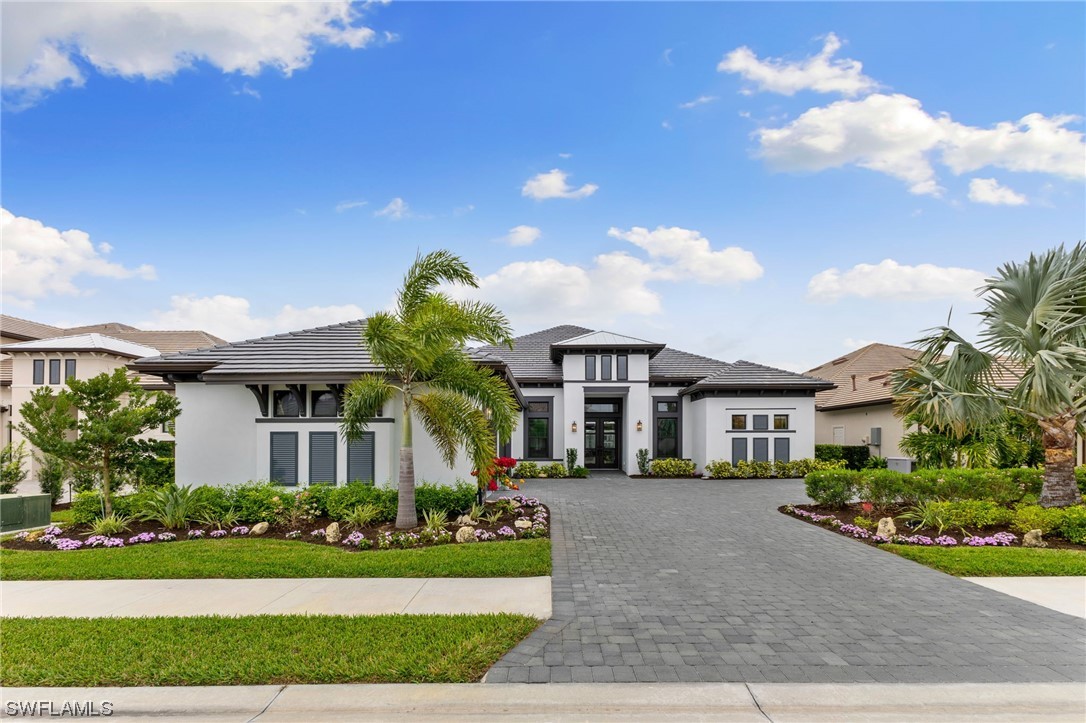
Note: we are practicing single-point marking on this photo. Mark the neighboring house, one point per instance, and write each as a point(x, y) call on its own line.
point(268, 408)
point(860, 409)
point(37, 355)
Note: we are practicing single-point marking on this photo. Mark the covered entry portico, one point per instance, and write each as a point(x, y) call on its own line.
point(603, 432)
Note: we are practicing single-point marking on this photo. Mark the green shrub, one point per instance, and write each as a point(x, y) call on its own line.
point(759, 470)
point(112, 524)
point(555, 470)
point(834, 488)
point(876, 463)
point(362, 516)
point(171, 506)
point(672, 467)
point(1080, 478)
point(927, 514)
point(882, 487)
point(855, 456)
point(341, 501)
point(12, 471)
point(719, 469)
point(84, 480)
point(87, 506)
point(215, 500)
point(579, 472)
point(643, 462)
point(255, 501)
point(52, 472)
point(829, 452)
point(974, 514)
point(571, 458)
point(155, 471)
point(1073, 526)
point(867, 524)
point(526, 470)
point(1028, 479)
point(443, 498)
point(803, 467)
point(998, 485)
point(1035, 517)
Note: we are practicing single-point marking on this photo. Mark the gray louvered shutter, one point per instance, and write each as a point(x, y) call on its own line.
point(761, 449)
point(739, 449)
point(284, 458)
point(322, 457)
point(360, 459)
point(782, 449)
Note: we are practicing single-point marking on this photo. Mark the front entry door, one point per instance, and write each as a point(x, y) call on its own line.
point(603, 434)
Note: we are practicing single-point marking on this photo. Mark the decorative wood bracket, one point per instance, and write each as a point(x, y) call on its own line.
point(298, 392)
point(260, 391)
point(337, 389)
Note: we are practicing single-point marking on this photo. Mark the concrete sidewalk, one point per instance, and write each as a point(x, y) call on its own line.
point(1063, 594)
point(753, 702)
point(328, 596)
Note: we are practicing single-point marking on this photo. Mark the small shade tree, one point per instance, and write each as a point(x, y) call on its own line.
point(93, 424)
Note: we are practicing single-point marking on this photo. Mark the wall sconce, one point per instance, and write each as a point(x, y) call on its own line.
point(640, 426)
point(573, 428)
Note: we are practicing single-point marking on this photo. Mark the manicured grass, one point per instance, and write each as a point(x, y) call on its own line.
point(256, 649)
point(995, 561)
point(277, 558)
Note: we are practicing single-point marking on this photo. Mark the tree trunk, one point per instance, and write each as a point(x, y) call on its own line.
point(1060, 489)
point(107, 497)
point(406, 516)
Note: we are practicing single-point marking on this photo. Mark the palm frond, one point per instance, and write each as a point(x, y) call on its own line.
point(426, 274)
point(363, 399)
point(453, 421)
point(456, 373)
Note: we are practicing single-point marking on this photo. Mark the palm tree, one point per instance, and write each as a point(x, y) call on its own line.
point(1034, 329)
point(421, 346)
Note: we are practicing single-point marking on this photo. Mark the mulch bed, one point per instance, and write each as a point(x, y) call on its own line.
point(278, 532)
point(848, 515)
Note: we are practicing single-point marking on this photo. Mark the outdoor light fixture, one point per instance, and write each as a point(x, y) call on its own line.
point(573, 428)
point(640, 426)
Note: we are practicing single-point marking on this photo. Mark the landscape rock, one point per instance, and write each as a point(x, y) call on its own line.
point(523, 524)
point(1033, 538)
point(887, 528)
point(466, 520)
point(259, 528)
point(331, 533)
point(465, 534)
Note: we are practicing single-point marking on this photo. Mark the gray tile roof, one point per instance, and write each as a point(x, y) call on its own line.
point(530, 357)
point(748, 375)
point(16, 328)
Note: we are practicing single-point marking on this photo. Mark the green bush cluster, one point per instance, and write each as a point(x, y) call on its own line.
point(672, 467)
point(973, 514)
point(1067, 522)
point(886, 487)
point(1080, 478)
point(526, 470)
point(855, 456)
point(723, 469)
point(554, 469)
point(832, 487)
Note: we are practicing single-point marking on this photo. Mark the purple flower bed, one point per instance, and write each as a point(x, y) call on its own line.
point(240, 530)
point(999, 539)
point(218, 533)
point(141, 538)
point(67, 543)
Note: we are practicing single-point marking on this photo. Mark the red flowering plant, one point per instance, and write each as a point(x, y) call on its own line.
point(497, 474)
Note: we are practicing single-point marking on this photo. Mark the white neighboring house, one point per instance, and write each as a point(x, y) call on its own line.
point(268, 408)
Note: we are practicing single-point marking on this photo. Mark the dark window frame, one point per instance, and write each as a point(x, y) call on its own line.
point(759, 449)
point(54, 371)
point(271, 457)
point(622, 367)
point(760, 422)
point(590, 368)
point(605, 367)
point(287, 394)
point(677, 415)
point(313, 436)
point(39, 371)
point(777, 449)
point(743, 426)
point(529, 416)
point(69, 369)
point(739, 443)
point(366, 438)
point(317, 393)
point(778, 417)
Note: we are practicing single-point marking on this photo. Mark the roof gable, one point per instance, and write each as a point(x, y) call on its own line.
point(748, 375)
point(83, 342)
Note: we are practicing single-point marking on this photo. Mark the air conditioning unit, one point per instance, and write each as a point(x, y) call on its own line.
point(876, 437)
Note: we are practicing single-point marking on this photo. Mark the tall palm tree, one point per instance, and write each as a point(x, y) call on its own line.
point(1033, 328)
point(421, 346)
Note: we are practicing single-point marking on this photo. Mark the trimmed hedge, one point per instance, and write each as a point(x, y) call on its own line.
point(855, 456)
point(672, 467)
point(833, 487)
point(723, 469)
point(886, 487)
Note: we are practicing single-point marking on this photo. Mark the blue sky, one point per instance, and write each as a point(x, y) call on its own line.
point(244, 169)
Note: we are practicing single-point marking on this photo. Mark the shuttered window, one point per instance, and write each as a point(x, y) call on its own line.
point(761, 449)
point(322, 457)
point(739, 450)
point(54, 371)
point(324, 403)
point(782, 449)
point(360, 459)
point(284, 458)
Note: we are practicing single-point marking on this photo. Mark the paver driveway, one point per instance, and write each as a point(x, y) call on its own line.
point(706, 581)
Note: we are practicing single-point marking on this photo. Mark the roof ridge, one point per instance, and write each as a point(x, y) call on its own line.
point(31, 321)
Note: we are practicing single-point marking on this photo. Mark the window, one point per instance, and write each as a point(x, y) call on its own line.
point(605, 367)
point(665, 427)
point(622, 365)
point(739, 421)
point(325, 403)
point(739, 450)
point(284, 458)
point(322, 457)
point(667, 407)
point(285, 404)
point(590, 367)
point(537, 429)
point(39, 371)
point(360, 459)
point(761, 421)
point(782, 449)
point(600, 408)
point(780, 421)
point(54, 371)
point(69, 369)
point(761, 449)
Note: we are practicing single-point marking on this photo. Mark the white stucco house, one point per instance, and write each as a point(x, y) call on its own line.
point(268, 408)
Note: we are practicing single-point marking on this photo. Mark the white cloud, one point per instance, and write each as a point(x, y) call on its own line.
point(552, 184)
point(39, 261)
point(155, 40)
point(666, 56)
point(1034, 144)
point(988, 190)
point(891, 280)
point(348, 205)
point(679, 254)
point(566, 156)
point(522, 235)
point(248, 90)
point(666, 125)
point(887, 133)
point(396, 209)
point(463, 210)
point(821, 72)
point(231, 317)
point(700, 100)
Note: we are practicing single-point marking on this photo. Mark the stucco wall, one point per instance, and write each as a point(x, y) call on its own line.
point(713, 417)
point(216, 435)
point(857, 423)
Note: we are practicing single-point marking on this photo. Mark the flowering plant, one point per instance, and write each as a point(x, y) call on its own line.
point(195, 534)
point(240, 530)
point(141, 537)
point(218, 533)
point(67, 543)
point(293, 534)
point(484, 536)
point(497, 474)
point(1000, 539)
point(166, 537)
point(507, 532)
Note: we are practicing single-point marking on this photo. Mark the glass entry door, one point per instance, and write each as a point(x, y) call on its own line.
point(603, 434)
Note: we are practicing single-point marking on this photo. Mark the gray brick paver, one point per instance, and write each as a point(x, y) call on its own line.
point(746, 594)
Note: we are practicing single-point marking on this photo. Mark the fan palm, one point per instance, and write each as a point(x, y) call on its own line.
point(421, 346)
point(1034, 329)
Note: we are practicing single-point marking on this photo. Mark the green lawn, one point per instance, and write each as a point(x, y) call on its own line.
point(61, 517)
point(995, 561)
point(256, 649)
point(277, 558)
